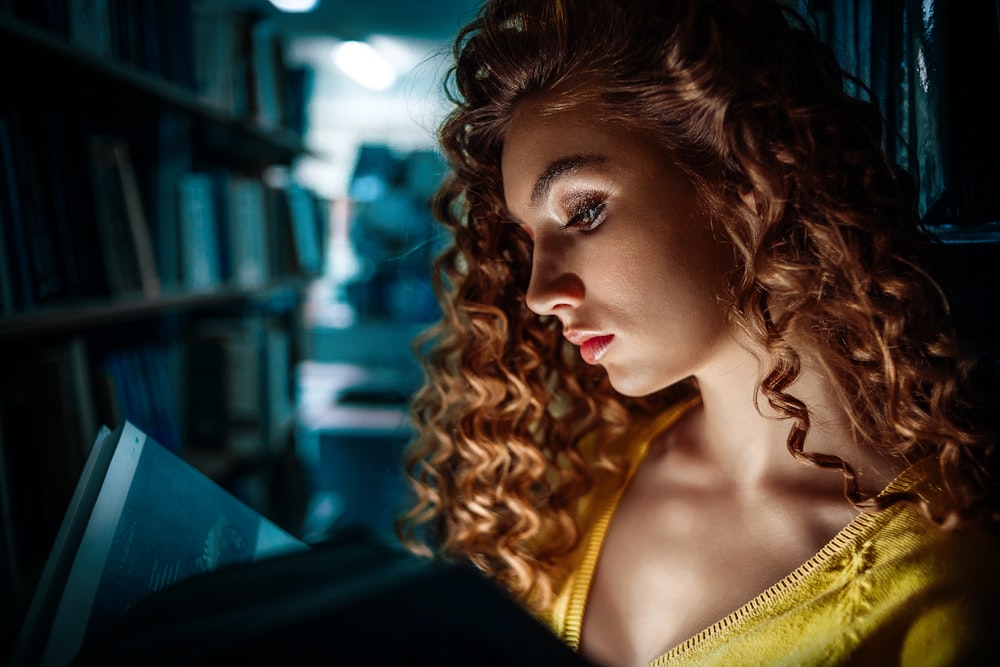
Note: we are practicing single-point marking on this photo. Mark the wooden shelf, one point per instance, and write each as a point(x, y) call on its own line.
point(987, 233)
point(76, 317)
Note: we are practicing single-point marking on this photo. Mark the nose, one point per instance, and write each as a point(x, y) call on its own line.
point(552, 288)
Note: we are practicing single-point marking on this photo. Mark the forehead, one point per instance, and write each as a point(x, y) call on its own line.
point(536, 126)
point(538, 138)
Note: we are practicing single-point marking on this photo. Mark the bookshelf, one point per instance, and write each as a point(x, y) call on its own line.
point(150, 269)
point(225, 131)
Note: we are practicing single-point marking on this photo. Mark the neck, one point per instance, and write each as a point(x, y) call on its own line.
point(745, 440)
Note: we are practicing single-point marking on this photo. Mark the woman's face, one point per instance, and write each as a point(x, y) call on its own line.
point(622, 252)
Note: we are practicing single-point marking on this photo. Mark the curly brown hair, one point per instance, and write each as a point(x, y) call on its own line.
point(793, 171)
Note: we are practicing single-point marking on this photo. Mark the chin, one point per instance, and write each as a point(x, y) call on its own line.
point(635, 385)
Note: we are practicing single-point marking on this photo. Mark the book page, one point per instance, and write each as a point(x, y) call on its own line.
point(156, 521)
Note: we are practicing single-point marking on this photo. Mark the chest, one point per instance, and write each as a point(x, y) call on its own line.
point(677, 558)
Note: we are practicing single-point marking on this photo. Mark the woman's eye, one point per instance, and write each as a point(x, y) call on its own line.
point(588, 216)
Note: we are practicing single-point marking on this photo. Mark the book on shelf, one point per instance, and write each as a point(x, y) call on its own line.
point(136, 387)
point(48, 14)
point(15, 273)
point(126, 22)
point(31, 238)
point(232, 58)
point(280, 245)
point(71, 207)
point(177, 39)
point(136, 216)
point(48, 252)
point(152, 35)
point(228, 403)
point(171, 158)
point(47, 278)
point(89, 26)
point(140, 520)
point(121, 220)
point(246, 230)
point(266, 57)
point(221, 57)
point(198, 231)
point(298, 85)
point(240, 67)
point(279, 379)
point(303, 210)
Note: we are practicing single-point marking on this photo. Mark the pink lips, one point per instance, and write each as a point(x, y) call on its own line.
point(592, 347)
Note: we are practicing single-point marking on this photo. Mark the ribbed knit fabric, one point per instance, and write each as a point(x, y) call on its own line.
point(890, 589)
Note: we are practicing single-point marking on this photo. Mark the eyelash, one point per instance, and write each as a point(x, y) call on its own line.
point(588, 216)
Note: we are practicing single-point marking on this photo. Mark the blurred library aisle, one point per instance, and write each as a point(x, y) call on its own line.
point(360, 320)
point(373, 156)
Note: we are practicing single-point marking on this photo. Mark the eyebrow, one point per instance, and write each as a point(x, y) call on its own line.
point(559, 168)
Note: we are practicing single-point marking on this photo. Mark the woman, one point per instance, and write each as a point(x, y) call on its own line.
point(690, 399)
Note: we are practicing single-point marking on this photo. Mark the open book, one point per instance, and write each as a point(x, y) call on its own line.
point(156, 565)
point(141, 519)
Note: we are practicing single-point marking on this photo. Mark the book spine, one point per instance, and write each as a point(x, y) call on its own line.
point(10, 211)
point(219, 71)
point(163, 394)
point(279, 399)
point(7, 259)
point(151, 47)
point(117, 382)
point(112, 228)
point(298, 84)
point(124, 234)
point(305, 228)
point(138, 226)
point(76, 271)
point(199, 243)
point(171, 162)
point(176, 20)
point(231, 416)
point(126, 31)
point(26, 143)
point(247, 233)
point(89, 26)
point(265, 56)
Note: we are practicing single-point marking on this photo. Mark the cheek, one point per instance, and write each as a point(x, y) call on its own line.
point(618, 273)
point(703, 261)
point(680, 280)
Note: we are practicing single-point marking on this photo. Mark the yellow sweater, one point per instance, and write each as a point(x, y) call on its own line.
point(889, 589)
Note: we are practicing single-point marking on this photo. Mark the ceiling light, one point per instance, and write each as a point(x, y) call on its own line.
point(295, 5)
point(364, 64)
